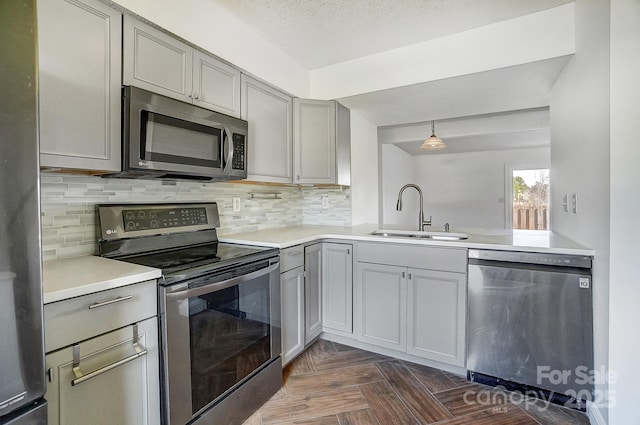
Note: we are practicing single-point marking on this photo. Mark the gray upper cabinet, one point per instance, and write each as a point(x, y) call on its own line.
point(314, 138)
point(155, 61)
point(79, 45)
point(269, 113)
point(216, 85)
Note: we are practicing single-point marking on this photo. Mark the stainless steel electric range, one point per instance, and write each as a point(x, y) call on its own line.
point(219, 307)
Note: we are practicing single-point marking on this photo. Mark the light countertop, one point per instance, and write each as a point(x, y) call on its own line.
point(74, 277)
point(506, 240)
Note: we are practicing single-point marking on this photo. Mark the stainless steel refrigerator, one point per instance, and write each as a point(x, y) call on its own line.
point(22, 378)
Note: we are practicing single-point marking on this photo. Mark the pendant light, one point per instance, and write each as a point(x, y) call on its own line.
point(434, 142)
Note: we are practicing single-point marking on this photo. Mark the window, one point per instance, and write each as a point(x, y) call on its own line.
point(530, 199)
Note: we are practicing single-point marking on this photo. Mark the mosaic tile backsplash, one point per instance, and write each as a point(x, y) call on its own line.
point(69, 221)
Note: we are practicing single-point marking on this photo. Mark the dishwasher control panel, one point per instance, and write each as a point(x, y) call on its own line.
point(541, 258)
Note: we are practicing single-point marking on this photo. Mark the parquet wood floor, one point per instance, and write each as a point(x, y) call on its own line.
point(332, 384)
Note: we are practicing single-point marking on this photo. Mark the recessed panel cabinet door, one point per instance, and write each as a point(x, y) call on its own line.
point(381, 302)
point(269, 113)
point(155, 61)
point(436, 315)
point(79, 44)
point(337, 287)
point(314, 141)
point(216, 85)
point(125, 393)
point(313, 291)
point(292, 293)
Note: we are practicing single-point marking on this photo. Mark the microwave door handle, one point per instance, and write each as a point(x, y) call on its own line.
point(217, 286)
point(228, 141)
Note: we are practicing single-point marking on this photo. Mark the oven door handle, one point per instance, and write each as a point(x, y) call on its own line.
point(213, 287)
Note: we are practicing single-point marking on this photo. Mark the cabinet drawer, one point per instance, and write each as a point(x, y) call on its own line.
point(418, 256)
point(291, 258)
point(77, 319)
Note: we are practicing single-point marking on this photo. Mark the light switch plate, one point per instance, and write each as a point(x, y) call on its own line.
point(236, 205)
point(574, 203)
point(565, 203)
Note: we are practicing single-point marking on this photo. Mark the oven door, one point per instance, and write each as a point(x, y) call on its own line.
point(218, 330)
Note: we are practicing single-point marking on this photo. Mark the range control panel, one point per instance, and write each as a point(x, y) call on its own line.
point(145, 219)
point(123, 221)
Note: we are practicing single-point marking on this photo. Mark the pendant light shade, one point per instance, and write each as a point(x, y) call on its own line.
point(434, 142)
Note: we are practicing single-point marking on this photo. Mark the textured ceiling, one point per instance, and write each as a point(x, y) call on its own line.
point(318, 33)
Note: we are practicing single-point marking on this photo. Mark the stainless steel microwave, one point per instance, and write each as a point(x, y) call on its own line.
point(167, 138)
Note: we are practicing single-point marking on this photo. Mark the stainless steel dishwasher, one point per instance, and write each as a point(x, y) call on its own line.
point(530, 324)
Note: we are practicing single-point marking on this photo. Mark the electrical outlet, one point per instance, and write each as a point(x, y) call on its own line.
point(574, 203)
point(236, 205)
point(325, 202)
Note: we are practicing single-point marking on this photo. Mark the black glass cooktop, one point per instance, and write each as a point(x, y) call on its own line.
point(210, 256)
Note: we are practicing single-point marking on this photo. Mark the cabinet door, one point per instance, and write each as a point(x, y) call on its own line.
point(79, 84)
point(216, 85)
point(436, 315)
point(381, 297)
point(337, 287)
point(314, 141)
point(152, 60)
point(292, 290)
point(125, 394)
point(313, 291)
point(269, 113)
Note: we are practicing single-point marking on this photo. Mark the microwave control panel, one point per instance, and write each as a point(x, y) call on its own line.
point(237, 163)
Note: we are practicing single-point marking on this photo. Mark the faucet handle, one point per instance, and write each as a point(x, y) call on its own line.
point(427, 222)
point(446, 227)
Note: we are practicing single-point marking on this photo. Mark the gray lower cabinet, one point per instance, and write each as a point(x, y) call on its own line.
point(125, 394)
point(293, 329)
point(436, 311)
point(313, 291)
point(401, 306)
point(155, 61)
point(102, 358)
point(381, 297)
point(269, 113)
point(80, 57)
point(337, 287)
point(292, 302)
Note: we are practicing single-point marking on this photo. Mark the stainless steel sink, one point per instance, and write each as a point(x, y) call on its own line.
point(438, 236)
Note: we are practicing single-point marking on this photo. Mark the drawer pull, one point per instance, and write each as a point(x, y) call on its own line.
point(80, 377)
point(117, 300)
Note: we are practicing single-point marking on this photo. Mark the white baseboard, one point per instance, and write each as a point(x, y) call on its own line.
point(594, 414)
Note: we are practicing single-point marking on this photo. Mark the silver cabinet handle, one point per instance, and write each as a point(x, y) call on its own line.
point(117, 300)
point(80, 377)
point(294, 253)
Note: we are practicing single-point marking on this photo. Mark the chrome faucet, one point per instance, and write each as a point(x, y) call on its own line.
point(421, 221)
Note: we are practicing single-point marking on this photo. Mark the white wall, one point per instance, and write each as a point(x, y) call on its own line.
point(624, 290)
point(364, 170)
point(397, 170)
point(468, 189)
point(534, 37)
point(208, 25)
point(579, 108)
